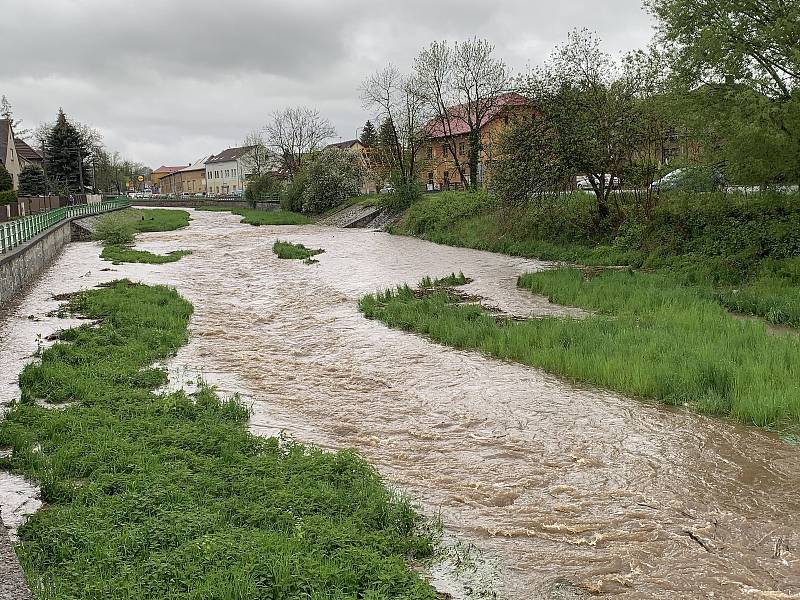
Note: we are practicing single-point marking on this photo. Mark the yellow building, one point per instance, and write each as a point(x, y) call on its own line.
point(159, 174)
point(441, 172)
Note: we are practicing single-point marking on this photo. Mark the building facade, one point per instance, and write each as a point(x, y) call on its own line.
point(8, 151)
point(159, 174)
point(189, 180)
point(441, 172)
point(228, 171)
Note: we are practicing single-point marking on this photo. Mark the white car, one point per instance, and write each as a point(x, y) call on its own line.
point(582, 182)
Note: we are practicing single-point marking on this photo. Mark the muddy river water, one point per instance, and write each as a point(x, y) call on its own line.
point(553, 482)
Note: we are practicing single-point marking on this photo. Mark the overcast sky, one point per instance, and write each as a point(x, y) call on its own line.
point(170, 81)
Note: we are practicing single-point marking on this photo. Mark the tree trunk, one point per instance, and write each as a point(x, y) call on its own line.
point(474, 155)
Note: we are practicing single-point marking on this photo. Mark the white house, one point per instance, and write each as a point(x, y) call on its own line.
point(226, 172)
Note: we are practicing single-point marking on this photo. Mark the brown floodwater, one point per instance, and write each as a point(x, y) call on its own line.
point(554, 483)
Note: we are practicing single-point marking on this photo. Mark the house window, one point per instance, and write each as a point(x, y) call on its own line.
point(444, 150)
point(505, 120)
point(461, 147)
point(430, 152)
point(446, 178)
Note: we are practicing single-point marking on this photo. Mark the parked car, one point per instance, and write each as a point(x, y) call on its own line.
point(237, 193)
point(693, 179)
point(387, 189)
point(199, 195)
point(582, 182)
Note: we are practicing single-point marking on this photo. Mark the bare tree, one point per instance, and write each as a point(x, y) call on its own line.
point(394, 97)
point(463, 86)
point(259, 160)
point(296, 131)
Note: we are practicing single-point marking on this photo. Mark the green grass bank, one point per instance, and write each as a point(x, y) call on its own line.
point(118, 232)
point(742, 251)
point(253, 216)
point(152, 495)
point(646, 337)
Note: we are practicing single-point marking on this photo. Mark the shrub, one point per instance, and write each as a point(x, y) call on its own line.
point(115, 231)
point(8, 197)
point(260, 188)
point(334, 175)
point(32, 181)
point(292, 198)
point(6, 181)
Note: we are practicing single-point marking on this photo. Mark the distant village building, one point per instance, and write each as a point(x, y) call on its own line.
point(228, 171)
point(441, 172)
point(185, 180)
point(8, 151)
point(159, 174)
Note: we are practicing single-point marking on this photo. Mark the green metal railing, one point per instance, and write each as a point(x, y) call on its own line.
point(19, 231)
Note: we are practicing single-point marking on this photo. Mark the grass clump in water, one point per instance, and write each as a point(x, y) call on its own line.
point(294, 251)
point(163, 495)
point(648, 337)
point(254, 216)
point(451, 280)
point(118, 231)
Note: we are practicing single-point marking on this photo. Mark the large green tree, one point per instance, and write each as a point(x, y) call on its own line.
point(68, 156)
point(738, 62)
point(590, 120)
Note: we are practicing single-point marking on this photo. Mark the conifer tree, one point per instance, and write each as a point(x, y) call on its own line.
point(67, 156)
point(369, 137)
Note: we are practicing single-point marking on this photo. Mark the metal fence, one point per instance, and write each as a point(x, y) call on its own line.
point(21, 230)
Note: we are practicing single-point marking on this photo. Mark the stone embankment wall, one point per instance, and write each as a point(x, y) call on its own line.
point(24, 263)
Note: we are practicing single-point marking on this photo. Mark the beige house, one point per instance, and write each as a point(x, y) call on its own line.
point(8, 151)
point(186, 180)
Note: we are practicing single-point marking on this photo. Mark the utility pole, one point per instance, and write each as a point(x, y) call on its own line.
point(80, 170)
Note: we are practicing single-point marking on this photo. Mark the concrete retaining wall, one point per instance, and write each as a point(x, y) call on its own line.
point(24, 264)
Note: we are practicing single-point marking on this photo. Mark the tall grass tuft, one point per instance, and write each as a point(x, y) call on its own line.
point(289, 250)
point(253, 216)
point(118, 230)
point(648, 337)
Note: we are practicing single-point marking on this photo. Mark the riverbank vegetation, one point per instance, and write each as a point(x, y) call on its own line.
point(289, 250)
point(152, 495)
point(118, 231)
point(646, 337)
point(741, 250)
point(252, 216)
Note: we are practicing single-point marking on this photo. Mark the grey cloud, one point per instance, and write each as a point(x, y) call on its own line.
point(169, 81)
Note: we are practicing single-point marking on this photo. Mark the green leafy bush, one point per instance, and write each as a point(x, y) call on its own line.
point(8, 197)
point(333, 176)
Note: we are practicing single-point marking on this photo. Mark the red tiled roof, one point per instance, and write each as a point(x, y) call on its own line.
point(25, 152)
point(230, 154)
point(168, 170)
point(344, 145)
point(458, 121)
